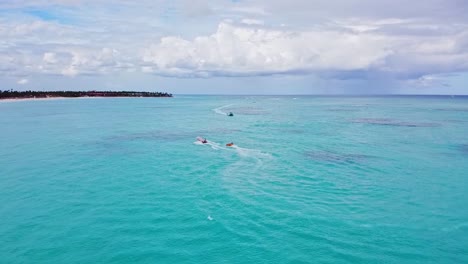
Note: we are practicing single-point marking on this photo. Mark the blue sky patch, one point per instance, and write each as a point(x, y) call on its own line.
point(47, 15)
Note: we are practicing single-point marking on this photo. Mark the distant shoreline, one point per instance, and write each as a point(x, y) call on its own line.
point(25, 99)
point(9, 100)
point(13, 96)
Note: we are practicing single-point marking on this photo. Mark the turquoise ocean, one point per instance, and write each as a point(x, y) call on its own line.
point(310, 179)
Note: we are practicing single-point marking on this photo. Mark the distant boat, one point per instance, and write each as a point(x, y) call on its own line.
point(202, 140)
point(230, 114)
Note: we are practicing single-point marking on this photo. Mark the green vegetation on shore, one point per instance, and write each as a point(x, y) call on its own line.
point(10, 94)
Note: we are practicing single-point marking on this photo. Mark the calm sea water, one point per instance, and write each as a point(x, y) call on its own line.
point(310, 180)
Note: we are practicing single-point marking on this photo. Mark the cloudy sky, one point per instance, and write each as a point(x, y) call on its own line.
point(236, 46)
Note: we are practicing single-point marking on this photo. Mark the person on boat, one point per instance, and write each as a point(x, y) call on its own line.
point(204, 141)
point(230, 144)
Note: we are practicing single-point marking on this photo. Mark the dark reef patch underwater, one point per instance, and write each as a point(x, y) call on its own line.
point(463, 148)
point(393, 122)
point(333, 157)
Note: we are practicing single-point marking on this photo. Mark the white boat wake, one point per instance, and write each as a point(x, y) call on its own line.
point(220, 111)
point(242, 152)
point(212, 144)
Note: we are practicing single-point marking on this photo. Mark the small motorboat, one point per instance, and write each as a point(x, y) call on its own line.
point(230, 114)
point(229, 144)
point(202, 140)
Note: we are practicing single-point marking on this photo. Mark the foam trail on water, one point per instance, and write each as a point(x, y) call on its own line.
point(250, 159)
point(243, 152)
point(215, 145)
point(220, 111)
point(257, 155)
point(212, 144)
point(246, 152)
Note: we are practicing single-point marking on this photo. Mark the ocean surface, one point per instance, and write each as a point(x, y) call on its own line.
point(310, 179)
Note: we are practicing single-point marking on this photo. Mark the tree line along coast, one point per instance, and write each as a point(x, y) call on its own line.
point(10, 94)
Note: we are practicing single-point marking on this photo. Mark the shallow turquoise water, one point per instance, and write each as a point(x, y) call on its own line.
point(311, 180)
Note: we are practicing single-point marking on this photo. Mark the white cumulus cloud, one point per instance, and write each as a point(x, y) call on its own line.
point(249, 21)
point(238, 50)
point(23, 81)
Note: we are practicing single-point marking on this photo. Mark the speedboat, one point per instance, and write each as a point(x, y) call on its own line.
point(202, 140)
point(230, 144)
point(230, 114)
